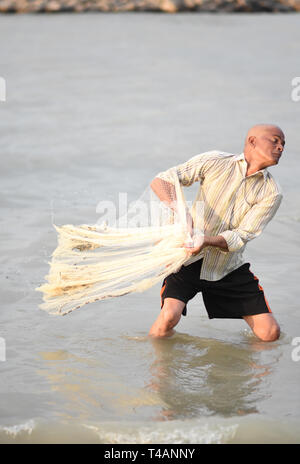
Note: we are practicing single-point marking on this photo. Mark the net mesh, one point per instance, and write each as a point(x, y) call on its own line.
point(94, 262)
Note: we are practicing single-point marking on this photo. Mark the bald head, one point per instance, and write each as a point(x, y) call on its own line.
point(260, 129)
point(264, 145)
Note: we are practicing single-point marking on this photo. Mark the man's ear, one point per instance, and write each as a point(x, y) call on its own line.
point(252, 141)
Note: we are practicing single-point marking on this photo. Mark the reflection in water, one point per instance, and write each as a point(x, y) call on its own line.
point(201, 377)
point(183, 377)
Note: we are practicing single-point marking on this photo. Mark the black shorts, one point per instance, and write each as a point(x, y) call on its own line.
point(237, 295)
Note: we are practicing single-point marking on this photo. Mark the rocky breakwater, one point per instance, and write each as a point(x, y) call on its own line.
point(169, 6)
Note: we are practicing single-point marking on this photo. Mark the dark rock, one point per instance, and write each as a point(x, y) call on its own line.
point(168, 6)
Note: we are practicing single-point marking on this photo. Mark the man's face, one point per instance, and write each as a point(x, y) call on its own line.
point(269, 146)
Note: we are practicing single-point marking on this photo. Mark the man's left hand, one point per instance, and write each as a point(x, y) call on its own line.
point(199, 244)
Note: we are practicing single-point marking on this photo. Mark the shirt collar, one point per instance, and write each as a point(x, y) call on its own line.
point(263, 171)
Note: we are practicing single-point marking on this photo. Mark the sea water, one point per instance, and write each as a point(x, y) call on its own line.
point(95, 105)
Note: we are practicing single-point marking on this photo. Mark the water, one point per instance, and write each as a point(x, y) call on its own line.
point(97, 104)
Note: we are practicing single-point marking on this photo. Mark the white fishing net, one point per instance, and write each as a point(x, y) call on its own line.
point(94, 262)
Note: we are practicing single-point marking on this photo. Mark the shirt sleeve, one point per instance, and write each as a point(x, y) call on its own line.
point(191, 171)
point(253, 223)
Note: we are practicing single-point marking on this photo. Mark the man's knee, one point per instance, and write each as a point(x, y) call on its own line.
point(171, 315)
point(168, 317)
point(268, 333)
point(264, 326)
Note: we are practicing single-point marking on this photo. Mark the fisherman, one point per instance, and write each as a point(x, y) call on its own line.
point(240, 197)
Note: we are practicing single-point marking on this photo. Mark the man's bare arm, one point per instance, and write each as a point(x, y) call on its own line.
point(164, 190)
point(216, 241)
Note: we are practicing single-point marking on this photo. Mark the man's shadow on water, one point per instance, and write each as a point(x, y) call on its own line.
point(197, 377)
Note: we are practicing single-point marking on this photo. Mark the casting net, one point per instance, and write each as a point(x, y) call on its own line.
point(94, 262)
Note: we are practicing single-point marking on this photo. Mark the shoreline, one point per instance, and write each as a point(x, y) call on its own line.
point(160, 6)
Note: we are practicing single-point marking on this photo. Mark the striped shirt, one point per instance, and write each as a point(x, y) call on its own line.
point(236, 206)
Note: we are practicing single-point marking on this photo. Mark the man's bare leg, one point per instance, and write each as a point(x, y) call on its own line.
point(169, 316)
point(264, 326)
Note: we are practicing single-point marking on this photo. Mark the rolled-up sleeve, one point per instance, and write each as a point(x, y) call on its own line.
point(253, 223)
point(189, 172)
